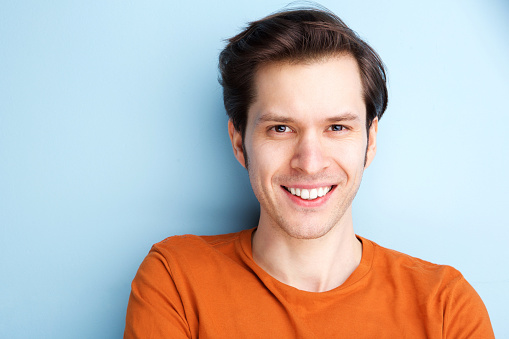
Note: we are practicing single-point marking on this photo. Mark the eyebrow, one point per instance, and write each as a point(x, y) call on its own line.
point(271, 117)
point(344, 117)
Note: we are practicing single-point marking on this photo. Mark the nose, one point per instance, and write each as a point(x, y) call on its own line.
point(309, 155)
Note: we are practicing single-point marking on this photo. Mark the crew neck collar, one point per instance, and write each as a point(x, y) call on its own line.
point(273, 284)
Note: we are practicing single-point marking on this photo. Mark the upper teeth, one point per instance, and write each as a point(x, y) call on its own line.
point(310, 194)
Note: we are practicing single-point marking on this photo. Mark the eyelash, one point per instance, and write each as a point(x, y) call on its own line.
point(274, 128)
point(340, 126)
point(330, 128)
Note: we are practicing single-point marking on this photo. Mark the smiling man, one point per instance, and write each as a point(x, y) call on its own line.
point(304, 95)
point(307, 147)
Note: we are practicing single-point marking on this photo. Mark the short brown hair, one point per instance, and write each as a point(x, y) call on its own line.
point(295, 35)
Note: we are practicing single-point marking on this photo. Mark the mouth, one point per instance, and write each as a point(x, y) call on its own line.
point(309, 193)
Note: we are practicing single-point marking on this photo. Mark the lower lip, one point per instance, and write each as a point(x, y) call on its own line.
point(309, 203)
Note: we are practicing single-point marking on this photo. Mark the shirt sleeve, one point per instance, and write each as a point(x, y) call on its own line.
point(465, 315)
point(155, 308)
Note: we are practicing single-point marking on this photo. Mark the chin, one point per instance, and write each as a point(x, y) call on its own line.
point(306, 232)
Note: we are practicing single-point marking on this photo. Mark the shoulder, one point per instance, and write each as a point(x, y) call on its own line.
point(440, 289)
point(198, 251)
point(405, 269)
point(190, 242)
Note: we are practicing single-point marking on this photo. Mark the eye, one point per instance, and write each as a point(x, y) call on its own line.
point(281, 129)
point(336, 128)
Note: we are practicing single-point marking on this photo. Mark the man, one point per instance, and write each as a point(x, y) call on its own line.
point(304, 95)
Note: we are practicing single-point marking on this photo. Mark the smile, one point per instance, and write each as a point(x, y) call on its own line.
point(309, 194)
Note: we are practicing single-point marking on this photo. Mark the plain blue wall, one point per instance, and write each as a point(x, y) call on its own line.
point(113, 137)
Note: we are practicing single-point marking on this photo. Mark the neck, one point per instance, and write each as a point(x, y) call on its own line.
point(314, 265)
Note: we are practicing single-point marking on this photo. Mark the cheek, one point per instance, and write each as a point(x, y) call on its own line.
point(350, 161)
point(266, 160)
point(349, 153)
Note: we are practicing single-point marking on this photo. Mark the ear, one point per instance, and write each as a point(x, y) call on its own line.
point(236, 139)
point(371, 149)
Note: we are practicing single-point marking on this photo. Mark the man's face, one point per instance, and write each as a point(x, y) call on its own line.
point(307, 144)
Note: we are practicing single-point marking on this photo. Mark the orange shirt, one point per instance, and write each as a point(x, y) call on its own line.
point(210, 287)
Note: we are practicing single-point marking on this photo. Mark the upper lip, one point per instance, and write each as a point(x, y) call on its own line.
point(307, 186)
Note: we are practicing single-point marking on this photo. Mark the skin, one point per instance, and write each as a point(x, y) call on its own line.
point(306, 128)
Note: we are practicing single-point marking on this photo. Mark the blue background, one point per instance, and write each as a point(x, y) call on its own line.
point(113, 136)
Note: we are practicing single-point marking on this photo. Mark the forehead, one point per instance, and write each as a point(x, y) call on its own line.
point(312, 89)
